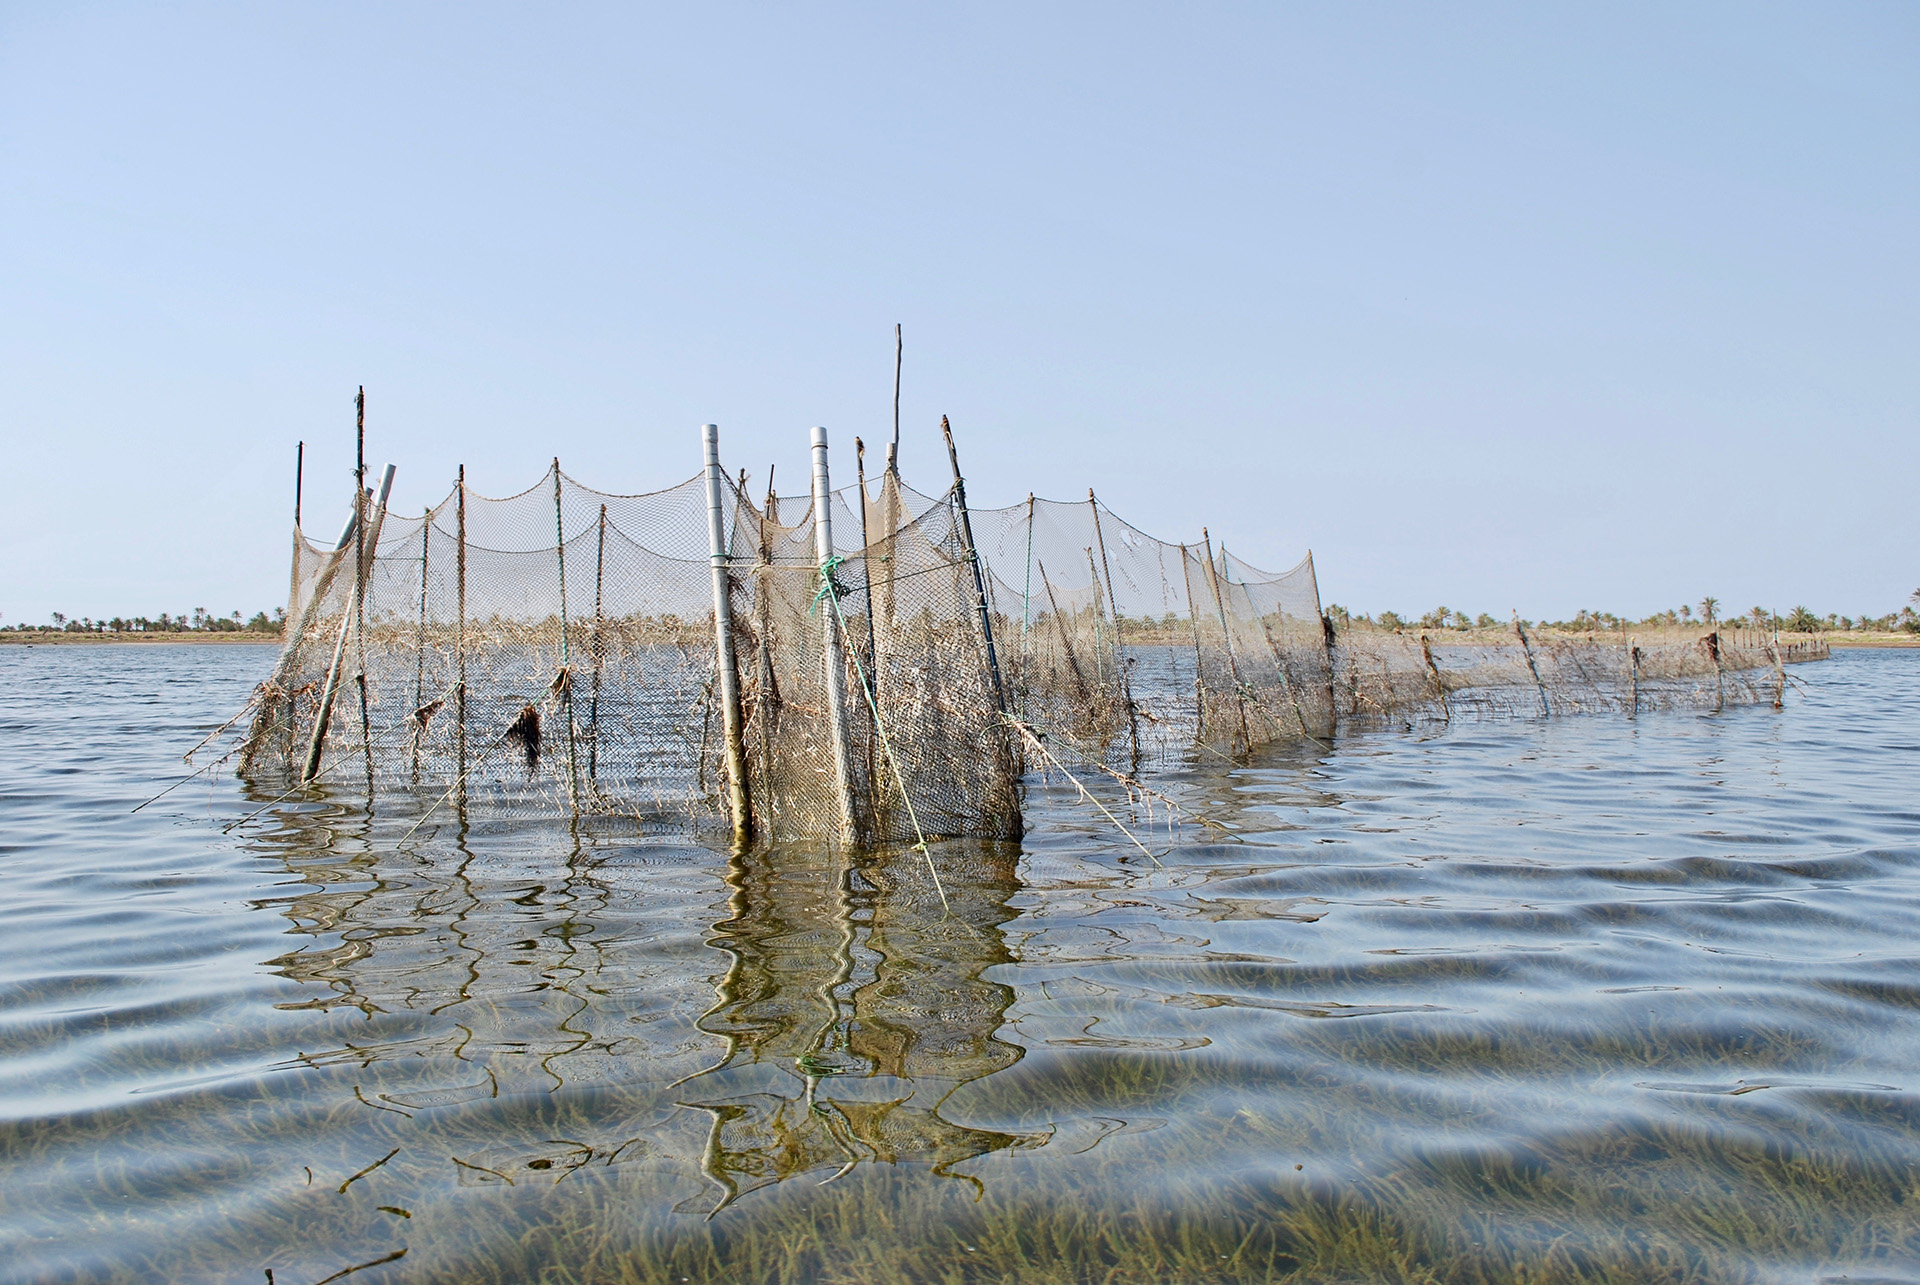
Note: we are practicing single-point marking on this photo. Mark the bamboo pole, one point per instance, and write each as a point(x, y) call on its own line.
point(1113, 615)
point(973, 559)
point(566, 654)
point(719, 548)
point(832, 645)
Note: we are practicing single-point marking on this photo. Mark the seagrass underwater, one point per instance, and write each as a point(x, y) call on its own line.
point(1565, 998)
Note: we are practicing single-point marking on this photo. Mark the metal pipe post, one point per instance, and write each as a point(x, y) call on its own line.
point(718, 547)
point(832, 644)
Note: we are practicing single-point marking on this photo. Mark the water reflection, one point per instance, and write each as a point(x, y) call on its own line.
point(852, 1010)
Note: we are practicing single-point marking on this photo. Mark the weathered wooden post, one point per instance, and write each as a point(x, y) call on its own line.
point(420, 643)
point(1433, 672)
point(1113, 615)
point(1779, 673)
point(1226, 637)
point(323, 716)
point(1633, 677)
point(973, 560)
point(599, 649)
point(832, 644)
point(719, 552)
point(1526, 649)
point(565, 677)
point(299, 540)
point(460, 637)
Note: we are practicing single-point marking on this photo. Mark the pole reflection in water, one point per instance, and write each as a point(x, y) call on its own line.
point(852, 1011)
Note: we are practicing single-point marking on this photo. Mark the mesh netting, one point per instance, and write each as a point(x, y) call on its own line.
point(555, 652)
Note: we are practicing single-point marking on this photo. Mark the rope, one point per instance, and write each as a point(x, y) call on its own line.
point(827, 590)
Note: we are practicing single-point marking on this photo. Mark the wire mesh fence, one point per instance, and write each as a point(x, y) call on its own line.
point(889, 655)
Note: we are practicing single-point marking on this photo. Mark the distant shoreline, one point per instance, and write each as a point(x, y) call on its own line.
point(60, 638)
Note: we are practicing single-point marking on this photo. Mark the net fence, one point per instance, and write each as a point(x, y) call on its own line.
point(558, 651)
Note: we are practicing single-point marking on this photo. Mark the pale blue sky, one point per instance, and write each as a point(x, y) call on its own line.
point(1533, 306)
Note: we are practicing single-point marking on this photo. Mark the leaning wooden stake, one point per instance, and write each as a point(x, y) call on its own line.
point(719, 549)
point(1113, 615)
point(1439, 685)
point(1526, 649)
point(1226, 637)
point(973, 560)
point(1779, 673)
point(323, 716)
point(360, 591)
point(832, 644)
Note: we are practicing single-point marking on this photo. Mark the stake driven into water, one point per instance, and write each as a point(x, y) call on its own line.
point(725, 663)
point(832, 644)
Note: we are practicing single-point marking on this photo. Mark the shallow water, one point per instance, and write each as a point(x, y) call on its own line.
point(1580, 999)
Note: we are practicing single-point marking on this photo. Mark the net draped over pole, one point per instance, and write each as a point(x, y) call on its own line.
point(853, 664)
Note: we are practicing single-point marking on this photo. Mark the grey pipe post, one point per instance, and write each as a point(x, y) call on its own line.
point(729, 672)
point(324, 715)
point(832, 644)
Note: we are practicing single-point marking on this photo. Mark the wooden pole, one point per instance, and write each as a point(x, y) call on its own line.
point(599, 650)
point(1526, 649)
point(360, 586)
point(1226, 637)
point(1779, 673)
point(460, 637)
point(973, 559)
point(1633, 677)
point(832, 644)
point(420, 643)
point(1113, 615)
point(866, 564)
point(566, 655)
point(323, 716)
point(1433, 672)
point(719, 549)
point(1719, 674)
point(1199, 665)
point(299, 472)
point(893, 447)
point(1081, 691)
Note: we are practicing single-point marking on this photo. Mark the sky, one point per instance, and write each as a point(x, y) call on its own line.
point(1534, 307)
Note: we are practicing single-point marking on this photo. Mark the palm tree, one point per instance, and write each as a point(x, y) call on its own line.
point(1709, 609)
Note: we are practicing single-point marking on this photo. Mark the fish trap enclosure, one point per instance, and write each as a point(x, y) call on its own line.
point(866, 664)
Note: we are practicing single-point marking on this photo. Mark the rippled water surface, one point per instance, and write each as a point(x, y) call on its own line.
point(1582, 999)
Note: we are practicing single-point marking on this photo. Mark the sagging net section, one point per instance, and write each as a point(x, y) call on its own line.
point(557, 652)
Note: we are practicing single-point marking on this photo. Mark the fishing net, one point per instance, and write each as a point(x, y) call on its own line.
point(554, 652)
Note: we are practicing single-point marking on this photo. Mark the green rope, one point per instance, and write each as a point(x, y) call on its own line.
point(828, 591)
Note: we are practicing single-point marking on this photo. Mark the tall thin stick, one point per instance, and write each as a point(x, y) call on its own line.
point(832, 643)
point(1226, 636)
point(973, 559)
point(460, 635)
point(360, 586)
point(420, 644)
point(719, 548)
point(566, 654)
point(1526, 649)
point(1113, 614)
point(599, 650)
point(893, 448)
